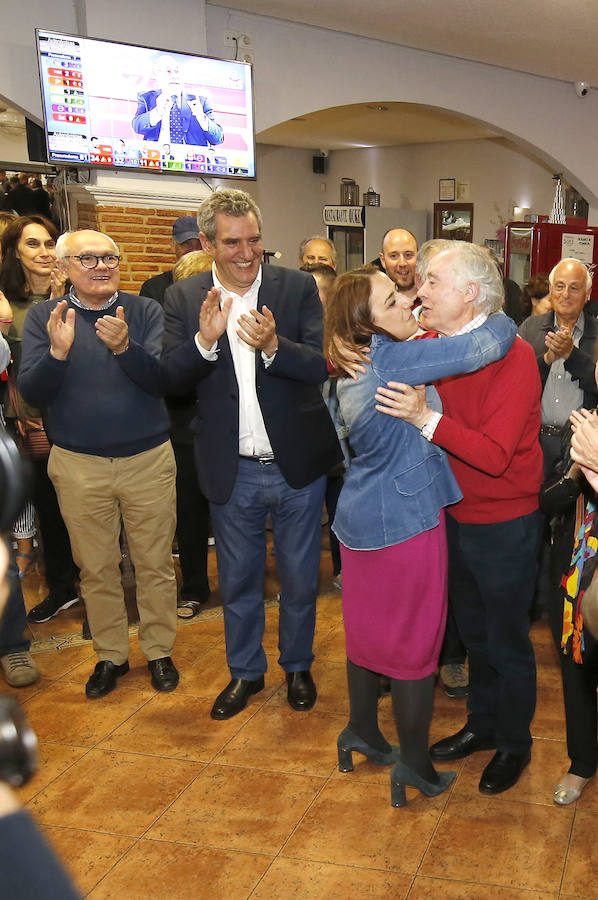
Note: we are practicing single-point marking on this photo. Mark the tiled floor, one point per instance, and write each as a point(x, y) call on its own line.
point(144, 796)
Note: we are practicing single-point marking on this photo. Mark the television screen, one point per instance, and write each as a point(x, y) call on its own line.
point(119, 106)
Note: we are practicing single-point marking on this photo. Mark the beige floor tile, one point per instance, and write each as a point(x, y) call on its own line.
point(64, 715)
point(118, 793)
point(54, 759)
point(23, 694)
point(541, 633)
point(441, 889)
point(86, 855)
point(353, 824)
point(280, 739)
point(238, 809)
point(290, 878)
point(549, 720)
point(57, 663)
point(588, 802)
point(332, 647)
point(175, 725)
point(175, 872)
point(331, 682)
point(581, 871)
point(536, 784)
point(547, 665)
point(517, 845)
point(210, 675)
point(199, 631)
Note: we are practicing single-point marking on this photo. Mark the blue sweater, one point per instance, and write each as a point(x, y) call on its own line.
point(95, 402)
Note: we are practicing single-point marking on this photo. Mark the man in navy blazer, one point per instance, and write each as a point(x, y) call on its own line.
point(249, 339)
point(172, 115)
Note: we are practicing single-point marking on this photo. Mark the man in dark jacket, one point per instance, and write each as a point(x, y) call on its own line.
point(249, 339)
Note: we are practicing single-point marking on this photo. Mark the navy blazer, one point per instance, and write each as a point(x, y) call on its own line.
point(192, 131)
point(297, 421)
point(582, 360)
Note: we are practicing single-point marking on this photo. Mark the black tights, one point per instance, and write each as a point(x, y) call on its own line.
point(412, 707)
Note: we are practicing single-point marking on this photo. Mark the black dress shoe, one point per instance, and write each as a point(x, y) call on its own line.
point(460, 745)
point(164, 674)
point(234, 697)
point(503, 771)
point(302, 691)
point(103, 678)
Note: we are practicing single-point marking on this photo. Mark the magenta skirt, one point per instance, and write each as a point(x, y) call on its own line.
point(394, 605)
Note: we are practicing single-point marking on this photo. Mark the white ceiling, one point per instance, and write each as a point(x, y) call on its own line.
point(541, 37)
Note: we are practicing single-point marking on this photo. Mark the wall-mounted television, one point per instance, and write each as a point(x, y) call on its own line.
point(120, 106)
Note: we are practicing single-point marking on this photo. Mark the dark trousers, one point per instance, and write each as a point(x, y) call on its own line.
point(334, 484)
point(60, 570)
point(193, 516)
point(14, 620)
point(581, 703)
point(240, 532)
point(492, 571)
point(453, 649)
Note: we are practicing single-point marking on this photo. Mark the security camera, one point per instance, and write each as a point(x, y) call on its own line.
point(582, 88)
point(324, 153)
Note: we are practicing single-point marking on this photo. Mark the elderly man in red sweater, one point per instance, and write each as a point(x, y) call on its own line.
point(489, 427)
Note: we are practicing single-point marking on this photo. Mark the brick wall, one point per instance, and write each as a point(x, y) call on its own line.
point(142, 234)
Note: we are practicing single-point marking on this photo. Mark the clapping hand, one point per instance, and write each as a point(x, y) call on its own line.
point(114, 331)
point(212, 318)
point(259, 330)
point(61, 331)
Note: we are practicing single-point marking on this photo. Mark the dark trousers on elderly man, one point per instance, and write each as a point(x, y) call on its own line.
point(492, 572)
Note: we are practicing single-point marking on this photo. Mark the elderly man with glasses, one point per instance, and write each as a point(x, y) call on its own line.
point(91, 362)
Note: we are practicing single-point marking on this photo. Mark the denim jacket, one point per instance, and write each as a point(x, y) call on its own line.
point(398, 481)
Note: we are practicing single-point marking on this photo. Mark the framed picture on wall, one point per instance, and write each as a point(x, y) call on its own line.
point(446, 189)
point(453, 221)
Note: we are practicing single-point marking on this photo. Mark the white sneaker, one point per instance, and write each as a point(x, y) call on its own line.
point(19, 669)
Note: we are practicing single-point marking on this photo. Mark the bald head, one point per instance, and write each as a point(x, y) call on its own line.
point(570, 289)
point(398, 257)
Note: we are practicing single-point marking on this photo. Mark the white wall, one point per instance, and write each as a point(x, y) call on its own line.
point(499, 176)
point(299, 68)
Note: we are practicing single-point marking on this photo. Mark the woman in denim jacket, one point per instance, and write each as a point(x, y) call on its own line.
point(390, 523)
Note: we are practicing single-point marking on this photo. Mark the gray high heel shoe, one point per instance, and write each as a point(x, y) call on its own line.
point(348, 742)
point(402, 776)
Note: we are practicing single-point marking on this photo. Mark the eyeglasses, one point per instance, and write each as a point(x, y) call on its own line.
point(91, 260)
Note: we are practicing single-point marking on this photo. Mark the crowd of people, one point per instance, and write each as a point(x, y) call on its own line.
point(232, 396)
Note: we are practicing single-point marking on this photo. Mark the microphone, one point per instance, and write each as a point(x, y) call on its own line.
point(271, 254)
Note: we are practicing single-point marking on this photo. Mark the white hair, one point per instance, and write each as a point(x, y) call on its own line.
point(571, 259)
point(62, 244)
point(472, 263)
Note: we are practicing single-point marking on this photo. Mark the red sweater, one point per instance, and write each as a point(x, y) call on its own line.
point(490, 428)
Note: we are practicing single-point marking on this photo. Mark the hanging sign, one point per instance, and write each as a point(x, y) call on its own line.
point(353, 216)
point(578, 246)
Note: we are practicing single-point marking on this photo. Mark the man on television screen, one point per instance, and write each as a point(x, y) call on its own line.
point(173, 116)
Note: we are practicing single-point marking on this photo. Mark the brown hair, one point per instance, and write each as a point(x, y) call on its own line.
point(537, 287)
point(348, 314)
point(12, 276)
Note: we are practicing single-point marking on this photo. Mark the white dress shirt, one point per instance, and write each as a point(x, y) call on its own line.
point(253, 438)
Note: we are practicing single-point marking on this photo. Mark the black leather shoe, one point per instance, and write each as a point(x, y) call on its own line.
point(103, 678)
point(302, 691)
point(460, 745)
point(164, 674)
point(234, 697)
point(503, 771)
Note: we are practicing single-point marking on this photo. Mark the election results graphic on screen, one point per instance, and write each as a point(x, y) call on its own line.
point(116, 105)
